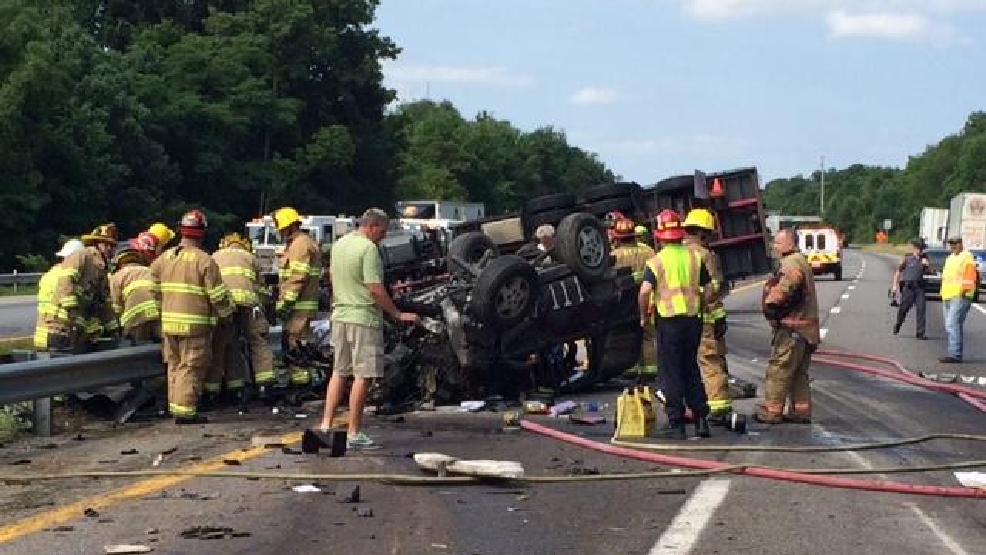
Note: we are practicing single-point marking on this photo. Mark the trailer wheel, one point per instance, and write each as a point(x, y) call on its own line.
point(582, 245)
point(550, 202)
point(505, 292)
point(469, 247)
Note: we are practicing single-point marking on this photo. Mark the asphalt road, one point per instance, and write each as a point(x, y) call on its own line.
point(17, 316)
point(724, 515)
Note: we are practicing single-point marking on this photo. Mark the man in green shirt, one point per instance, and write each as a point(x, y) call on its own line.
point(359, 300)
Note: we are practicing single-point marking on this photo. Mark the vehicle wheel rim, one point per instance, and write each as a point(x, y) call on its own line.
point(592, 247)
point(512, 298)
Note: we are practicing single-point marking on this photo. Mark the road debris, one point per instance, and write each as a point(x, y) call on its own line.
point(589, 419)
point(352, 497)
point(561, 409)
point(130, 452)
point(972, 479)
point(472, 406)
point(306, 488)
point(232, 462)
point(91, 513)
point(212, 533)
point(364, 512)
point(124, 549)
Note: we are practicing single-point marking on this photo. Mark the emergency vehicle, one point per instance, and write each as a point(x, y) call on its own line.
point(268, 244)
point(821, 245)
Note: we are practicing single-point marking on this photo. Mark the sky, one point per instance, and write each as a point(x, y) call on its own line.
point(664, 87)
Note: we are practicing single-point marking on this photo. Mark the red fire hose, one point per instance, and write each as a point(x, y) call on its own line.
point(970, 395)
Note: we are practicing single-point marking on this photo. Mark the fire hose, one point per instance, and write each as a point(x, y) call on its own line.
point(969, 395)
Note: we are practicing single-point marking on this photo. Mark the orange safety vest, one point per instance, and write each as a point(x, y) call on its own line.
point(676, 292)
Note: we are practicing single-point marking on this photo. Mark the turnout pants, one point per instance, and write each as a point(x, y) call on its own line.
point(187, 359)
point(254, 324)
point(787, 375)
point(298, 330)
point(680, 380)
point(911, 294)
point(227, 360)
point(715, 372)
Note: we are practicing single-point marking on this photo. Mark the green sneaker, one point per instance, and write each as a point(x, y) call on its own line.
point(360, 441)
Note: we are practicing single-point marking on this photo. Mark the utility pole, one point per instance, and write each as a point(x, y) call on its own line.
point(821, 196)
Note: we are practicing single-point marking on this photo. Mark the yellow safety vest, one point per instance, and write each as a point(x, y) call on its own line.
point(634, 257)
point(958, 276)
point(676, 292)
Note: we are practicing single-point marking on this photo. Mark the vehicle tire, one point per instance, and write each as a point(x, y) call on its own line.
point(622, 204)
point(582, 245)
point(550, 202)
point(470, 247)
point(552, 217)
point(604, 192)
point(505, 292)
point(838, 273)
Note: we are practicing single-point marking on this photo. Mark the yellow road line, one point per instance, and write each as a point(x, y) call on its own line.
point(11, 339)
point(73, 511)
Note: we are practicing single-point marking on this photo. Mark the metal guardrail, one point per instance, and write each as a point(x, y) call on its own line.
point(17, 278)
point(36, 379)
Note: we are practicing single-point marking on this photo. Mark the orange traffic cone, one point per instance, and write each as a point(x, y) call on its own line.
point(717, 188)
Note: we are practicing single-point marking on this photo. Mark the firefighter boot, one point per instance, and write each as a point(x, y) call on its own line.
point(762, 414)
point(672, 430)
point(702, 427)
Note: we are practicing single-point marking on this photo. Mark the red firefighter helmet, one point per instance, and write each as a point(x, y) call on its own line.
point(193, 224)
point(669, 226)
point(623, 228)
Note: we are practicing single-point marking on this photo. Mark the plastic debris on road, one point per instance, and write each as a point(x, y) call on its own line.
point(972, 479)
point(306, 488)
point(472, 406)
point(562, 409)
point(123, 549)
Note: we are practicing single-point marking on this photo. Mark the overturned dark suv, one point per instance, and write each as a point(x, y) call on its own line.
point(512, 318)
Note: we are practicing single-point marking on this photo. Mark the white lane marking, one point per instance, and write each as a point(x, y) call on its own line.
point(942, 536)
point(845, 296)
point(852, 287)
point(835, 309)
point(687, 526)
point(823, 332)
point(979, 308)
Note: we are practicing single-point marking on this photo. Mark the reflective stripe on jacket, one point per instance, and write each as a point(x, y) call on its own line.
point(241, 273)
point(634, 257)
point(47, 309)
point(299, 274)
point(193, 295)
point(715, 291)
point(676, 292)
point(958, 277)
point(134, 296)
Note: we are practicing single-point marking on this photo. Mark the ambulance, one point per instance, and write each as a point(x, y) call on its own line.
point(821, 245)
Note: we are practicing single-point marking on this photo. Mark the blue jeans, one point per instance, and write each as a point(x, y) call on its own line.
point(954, 312)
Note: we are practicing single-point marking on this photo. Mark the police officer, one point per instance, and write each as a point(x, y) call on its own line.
point(790, 304)
point(672, 290)
point(909, 282)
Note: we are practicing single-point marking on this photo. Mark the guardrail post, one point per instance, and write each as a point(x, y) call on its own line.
point(15, 282)
point(41, 417)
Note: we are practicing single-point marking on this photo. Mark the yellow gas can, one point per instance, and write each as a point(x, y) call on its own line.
point(635, 416)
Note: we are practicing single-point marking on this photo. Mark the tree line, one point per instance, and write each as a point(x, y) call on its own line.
point(859, 198)
point(135, 111)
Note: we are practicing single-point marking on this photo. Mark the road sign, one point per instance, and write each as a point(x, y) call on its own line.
point(888, 225)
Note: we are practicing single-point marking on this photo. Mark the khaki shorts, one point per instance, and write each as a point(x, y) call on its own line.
point(358, 351)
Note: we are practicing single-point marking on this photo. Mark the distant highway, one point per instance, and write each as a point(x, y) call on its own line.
point(17, 316)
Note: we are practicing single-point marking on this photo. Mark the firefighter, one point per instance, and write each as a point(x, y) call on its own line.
point(790, 305)
point(163, 234)
point(81, 297)
point(299, 274)
point(241, 274)
point(193, 301)
point(641, 232)
point(148, 245)
point(699, 225)
point(672, 291)
point(632, 254)
point(133, 295)
point(47, 309)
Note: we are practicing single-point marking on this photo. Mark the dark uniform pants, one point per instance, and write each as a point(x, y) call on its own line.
point(911, 294)
point(680, 379)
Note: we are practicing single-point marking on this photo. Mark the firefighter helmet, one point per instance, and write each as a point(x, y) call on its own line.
point(284, 217)
point(623, 228)
point(70, 247)
point(669, 226)
point(193, 224)
point(126, 254)
point(162, 233)
point(105, 233)
point(235, 240)
point(700, 217)
point(146, 244)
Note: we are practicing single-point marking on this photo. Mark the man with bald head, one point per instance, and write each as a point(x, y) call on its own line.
point(790, 305)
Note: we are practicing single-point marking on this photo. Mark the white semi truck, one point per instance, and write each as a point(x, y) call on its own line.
point(967, 219)
point(934, 226)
